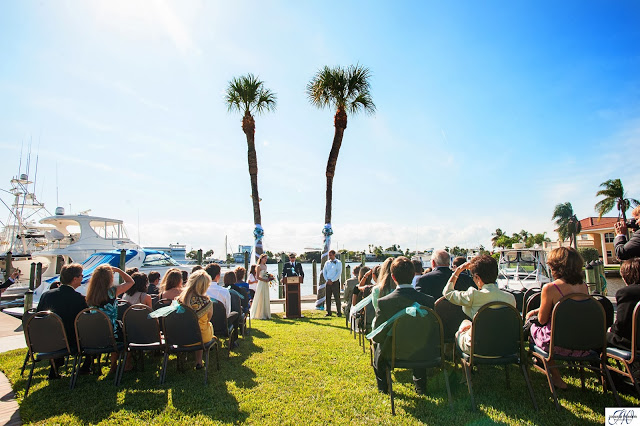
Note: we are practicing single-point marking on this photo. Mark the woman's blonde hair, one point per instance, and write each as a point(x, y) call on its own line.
point(99, 284)
point(385, 282)
point(197, 284)
point(172, 279)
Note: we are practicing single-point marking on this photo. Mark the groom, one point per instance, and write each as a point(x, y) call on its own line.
point(293, 268)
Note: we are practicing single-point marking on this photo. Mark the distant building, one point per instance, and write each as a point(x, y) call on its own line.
point(176, 251)
point(597, 233)
point(239, 256)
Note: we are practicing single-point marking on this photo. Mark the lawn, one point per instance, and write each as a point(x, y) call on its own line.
point(306, 371)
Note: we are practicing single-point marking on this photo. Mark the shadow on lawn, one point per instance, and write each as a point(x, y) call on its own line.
point(491, 395)
point(142, 392)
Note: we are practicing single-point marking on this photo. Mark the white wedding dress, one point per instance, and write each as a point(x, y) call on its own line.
point(261, 306)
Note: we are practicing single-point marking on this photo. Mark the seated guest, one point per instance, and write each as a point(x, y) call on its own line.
point(484, 272)
point(403, 296)
point(417, 266)
point(626, 299)
point(239, 304)
point(185, 277)
point(194, 296)
point(196, 268)
point(66, 302)
point(230, 282)
point(240, 282)
point(171, 285)
point(384, 283)
point(132, 271)
point(103, 294)
point(349, 285)
point(154, 282)
point(12, 279)
point(433, 282)
point(566, 268)
point(138, 291)
point(216, 291)
point(464, 280)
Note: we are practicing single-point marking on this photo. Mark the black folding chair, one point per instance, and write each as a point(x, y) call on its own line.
point(160, 303)
point(94, 335)
point(577, 323)
point(182, 334)
point(608, 308)
point(625, 358)
point(123, 305)
point(141, 333)
point(236, 306)
point(46, 339)
point(222, 329)
point(527, 296)
point(451, 316)
point(416, 343)
point(496, 339)
point(533, 302)
point(25, 317)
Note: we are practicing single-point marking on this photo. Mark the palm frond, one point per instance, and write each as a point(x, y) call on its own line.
point(247, 94)
point(338, 87)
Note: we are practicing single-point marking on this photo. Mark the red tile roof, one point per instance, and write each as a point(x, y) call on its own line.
point(594, 223)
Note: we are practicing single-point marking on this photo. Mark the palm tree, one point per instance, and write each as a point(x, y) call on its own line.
point(496, 236)
point(247, 95)
point(614, 196)
point(568, 224)
point(345, 90)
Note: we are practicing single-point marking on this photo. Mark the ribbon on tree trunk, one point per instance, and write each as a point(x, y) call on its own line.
point(258, 235)
point(327, 232)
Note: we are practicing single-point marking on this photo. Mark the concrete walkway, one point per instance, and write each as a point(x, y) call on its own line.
point(11, 337)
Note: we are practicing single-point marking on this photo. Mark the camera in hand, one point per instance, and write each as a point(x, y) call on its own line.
point(632, 224)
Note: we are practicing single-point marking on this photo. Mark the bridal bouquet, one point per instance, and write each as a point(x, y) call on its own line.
point(272, 280)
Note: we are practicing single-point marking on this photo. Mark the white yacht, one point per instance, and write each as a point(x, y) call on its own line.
point(521, 268)
point(73, 238)
point(21, 233)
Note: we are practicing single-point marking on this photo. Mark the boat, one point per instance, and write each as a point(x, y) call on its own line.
point(521, 268)
point(22, 235)
point(424, 257)
point(74, 238)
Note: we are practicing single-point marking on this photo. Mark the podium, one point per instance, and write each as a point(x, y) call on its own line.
point(292, 305)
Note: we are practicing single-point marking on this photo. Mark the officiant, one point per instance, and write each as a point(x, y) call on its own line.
point(293, 268)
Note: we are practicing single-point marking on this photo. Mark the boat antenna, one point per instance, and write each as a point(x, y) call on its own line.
point(57, 202)
point(20, 163)
point(139, 241)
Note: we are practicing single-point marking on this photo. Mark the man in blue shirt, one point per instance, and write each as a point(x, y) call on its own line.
point(331, 272)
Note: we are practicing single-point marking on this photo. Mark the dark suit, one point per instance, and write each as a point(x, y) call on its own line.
point(434, 282)
point(6, 284)
point(626, 299)
point(464, 282)
point(388, 306)
point(66, 303)
point(290, 270)
point(627, 249)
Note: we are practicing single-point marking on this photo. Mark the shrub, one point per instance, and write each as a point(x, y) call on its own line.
point(588, 253)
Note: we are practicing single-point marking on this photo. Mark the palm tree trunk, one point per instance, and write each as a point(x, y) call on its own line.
point(249, 129)
point(340, 123)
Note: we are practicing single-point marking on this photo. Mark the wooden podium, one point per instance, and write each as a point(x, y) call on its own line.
point(292, 305)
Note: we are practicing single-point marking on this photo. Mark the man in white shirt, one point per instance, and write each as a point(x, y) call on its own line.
point(216, 291)
point(331, 272)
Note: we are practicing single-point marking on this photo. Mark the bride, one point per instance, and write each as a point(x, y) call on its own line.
point(261, 306)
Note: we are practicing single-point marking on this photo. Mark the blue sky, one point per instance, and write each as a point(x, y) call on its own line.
point(488, 115)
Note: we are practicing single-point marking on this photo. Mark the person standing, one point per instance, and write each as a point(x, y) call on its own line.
point(627, 249)
point(331, 272)
point(293, 268)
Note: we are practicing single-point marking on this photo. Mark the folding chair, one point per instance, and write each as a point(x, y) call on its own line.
point(533, 302)
point(94, 335)
point(123, 305)
point(46, 339)
point(182, 334)
point(141, 333)
point(451, 316)
point(25, 317)
point(496, 339)
point(417, 342)
point(577, 323)
point(527, 296)
point(221, 327)
point(624, 357)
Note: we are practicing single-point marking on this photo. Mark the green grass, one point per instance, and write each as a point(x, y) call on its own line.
point(307, 371)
